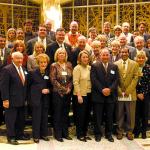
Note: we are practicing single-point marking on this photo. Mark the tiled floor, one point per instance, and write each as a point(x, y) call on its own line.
point(136, 144)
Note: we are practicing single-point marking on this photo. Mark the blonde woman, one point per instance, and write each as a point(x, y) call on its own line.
point(32, 63)
point(61, 79)
point(82, 92)
point(143, 96)
point(10, 37)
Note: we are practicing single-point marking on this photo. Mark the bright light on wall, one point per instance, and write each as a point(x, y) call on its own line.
point(54, 13)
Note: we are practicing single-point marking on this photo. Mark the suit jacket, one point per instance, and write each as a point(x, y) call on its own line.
point(37, 83)
point(4, 62)
point(51, 34)
point(12, 87)
point(51, 49)
point(30, 44)
point(128, 83)
point(100, 80)
point(116, 59)
point(133, 53)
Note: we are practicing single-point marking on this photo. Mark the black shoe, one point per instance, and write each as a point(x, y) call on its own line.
point(110, 138)
point(88, 138)
point(23, 137)
point(83, 139)
point(36, 140)
point(144, 136)
point(59, 139)
point(45, 138)
point(67, 138)
point(98, 138)
point(13, 141)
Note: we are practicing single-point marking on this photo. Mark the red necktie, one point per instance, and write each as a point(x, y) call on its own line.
point(21, 75)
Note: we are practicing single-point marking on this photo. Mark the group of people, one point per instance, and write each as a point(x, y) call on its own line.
point(107, 75)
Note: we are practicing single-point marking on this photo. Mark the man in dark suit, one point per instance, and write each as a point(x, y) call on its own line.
point(42, 37)
point(13, 93)
point(104, 79)
point(4, 52)
point(50, 33)
point(51, 48)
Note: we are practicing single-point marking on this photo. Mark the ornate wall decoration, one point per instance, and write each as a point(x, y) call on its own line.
point(110, 15)
point(16, 18)
point(95, 18)
point(81, 18)
point(127, 15)
point(143, 14)
point(67, 18)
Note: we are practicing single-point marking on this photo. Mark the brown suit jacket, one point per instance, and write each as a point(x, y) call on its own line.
point(129, 82)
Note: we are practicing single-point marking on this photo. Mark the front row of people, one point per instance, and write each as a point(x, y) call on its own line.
point(106, 86)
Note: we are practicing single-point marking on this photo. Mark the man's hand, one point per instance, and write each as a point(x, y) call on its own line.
point(80, 99)
point(45, 91)
point(6, 103)
point(140, 96)
point(106, 91)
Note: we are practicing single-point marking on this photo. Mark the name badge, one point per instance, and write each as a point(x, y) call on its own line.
point(112, 71)
point(2, 58)
point(63, 73)
point(25, 72)
point(46, 77)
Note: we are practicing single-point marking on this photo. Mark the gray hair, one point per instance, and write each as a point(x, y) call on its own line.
point(16, 54)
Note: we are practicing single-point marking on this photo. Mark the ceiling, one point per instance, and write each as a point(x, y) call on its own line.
point(56, 1)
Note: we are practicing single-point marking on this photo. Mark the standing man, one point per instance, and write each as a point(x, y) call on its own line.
point(104, 78)
point(50, 33)
point(4, 53)
point(42, 37)
point(29, 34)
point(125, 31)
point(51, 48)
point(13, 93)
point(128, 72)
point(72, 36)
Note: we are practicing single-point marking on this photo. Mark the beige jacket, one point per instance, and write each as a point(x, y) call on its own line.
point(81, 80)
point(128, 83)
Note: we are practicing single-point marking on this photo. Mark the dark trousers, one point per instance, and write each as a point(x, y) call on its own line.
point(82, 115)
point(61, 106)
point(1, 112)
point(40, 120)
point(15, 121)
point(98, 110)
point(141, 115)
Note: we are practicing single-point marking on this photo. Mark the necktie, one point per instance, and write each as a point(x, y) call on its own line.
point(124, 68)
point(21, 75)
point(105, 67)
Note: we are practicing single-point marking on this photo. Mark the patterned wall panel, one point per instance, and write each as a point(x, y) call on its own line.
point(19, 16)
point(143, 14)
point(22, 2)
point(127, 15)
point(67, 18)
point(110, 15)
point(5, 18)
point(81, 18)
point(95, 2)
point(34, 15)
point(95, 18)
point(5, 1)
point(126, 1)
point(80, 2)
point(109, 1)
